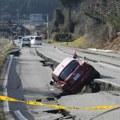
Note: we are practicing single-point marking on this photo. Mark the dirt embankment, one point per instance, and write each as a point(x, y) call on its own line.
point(114, 44)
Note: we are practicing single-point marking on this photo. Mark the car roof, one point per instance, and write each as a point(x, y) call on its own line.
point(26, 37)
point(62, 65)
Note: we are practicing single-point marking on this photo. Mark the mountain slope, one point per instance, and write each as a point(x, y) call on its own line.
point(26, 7)
point(98, 19)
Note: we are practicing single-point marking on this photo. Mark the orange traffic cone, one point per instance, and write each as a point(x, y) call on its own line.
point(75, 54)
point(54, 46)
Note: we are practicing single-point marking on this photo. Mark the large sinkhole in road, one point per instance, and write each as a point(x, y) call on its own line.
point(90, 88)
point(95, 86)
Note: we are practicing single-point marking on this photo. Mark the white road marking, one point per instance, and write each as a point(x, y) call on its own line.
point(67, 53)
point(7, 73)
point(19, 115)
point(62, 52)
point(6, 103)
point(109, 66)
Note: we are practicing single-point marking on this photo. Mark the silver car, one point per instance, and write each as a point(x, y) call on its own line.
point(25, 41)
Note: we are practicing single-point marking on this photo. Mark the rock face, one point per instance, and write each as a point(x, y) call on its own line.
point(100, 22)
point(114, 44)
point(98, 19)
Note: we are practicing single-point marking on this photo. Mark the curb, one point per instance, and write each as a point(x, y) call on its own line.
point(47, 59)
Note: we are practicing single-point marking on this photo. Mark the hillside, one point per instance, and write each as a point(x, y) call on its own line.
point(26, 7)
point(114, 44)
point(97, 19)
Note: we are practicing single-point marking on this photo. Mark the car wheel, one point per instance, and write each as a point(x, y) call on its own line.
point(95, 87)
point(51, 82)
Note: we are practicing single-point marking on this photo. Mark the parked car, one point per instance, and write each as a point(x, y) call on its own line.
point(36, 40)
point(25, 41)
point(72, 75)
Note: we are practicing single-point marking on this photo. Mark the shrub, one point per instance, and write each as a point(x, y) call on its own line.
point(62, 37)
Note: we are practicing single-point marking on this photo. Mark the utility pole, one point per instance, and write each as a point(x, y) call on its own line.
point(47, 26)
point(18, 16)
point(25, 29)
point(2, 18)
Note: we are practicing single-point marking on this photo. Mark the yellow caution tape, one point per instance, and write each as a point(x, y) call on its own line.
point(35, 103)
point(57, 106)
point(5, 98)
point(99, 107)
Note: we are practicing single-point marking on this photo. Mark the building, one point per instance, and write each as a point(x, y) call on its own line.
point(36, 19)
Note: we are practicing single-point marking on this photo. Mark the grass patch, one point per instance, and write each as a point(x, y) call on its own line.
point(2, 116)
point(8, 49)
point(50, 41)
point(2, 60)
point(2, 56)
point(3, 42)
point(80, 42)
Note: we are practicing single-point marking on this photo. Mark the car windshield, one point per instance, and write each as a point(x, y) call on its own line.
point(69, 69)
point(26, 39)
point(37, 38)
point(32, 38)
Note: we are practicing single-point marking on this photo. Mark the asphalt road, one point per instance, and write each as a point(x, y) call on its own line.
point(29, 80)
point(108, 71)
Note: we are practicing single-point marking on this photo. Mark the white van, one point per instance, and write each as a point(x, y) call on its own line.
point(36, 40)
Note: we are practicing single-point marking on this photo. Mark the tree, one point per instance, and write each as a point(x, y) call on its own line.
point(69, 5)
